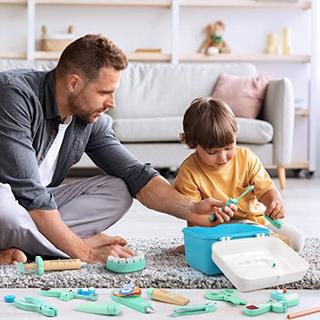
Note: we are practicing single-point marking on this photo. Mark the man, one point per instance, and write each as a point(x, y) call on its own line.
point(48, 120)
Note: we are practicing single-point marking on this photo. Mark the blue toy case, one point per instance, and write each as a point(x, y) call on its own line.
point(198, 242)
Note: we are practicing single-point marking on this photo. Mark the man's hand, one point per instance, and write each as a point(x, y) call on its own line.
point(100, 255)
point(202, 210)
point(276, 209)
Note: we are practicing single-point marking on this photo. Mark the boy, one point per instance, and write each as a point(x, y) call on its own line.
point(220, 169)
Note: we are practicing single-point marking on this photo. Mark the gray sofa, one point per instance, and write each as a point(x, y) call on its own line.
point(152, 98)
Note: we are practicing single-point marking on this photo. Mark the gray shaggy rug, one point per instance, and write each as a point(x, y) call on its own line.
point(164, 269)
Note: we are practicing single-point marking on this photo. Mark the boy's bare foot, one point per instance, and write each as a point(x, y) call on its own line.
point(12, 256)
point(102, 239)
point(179, 249)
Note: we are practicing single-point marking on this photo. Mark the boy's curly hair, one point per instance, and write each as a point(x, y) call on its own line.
point(209, 123)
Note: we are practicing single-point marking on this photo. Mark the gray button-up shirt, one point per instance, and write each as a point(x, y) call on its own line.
point(29, 122)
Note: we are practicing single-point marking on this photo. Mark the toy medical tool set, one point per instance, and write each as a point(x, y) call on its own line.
point(130, 296)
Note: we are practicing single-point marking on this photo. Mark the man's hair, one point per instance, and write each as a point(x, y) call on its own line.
point(88, 54)
point(209, 123)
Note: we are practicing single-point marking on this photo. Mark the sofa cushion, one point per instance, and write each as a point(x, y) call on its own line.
point(244, 95)
point(167, 129)
point(254, 131)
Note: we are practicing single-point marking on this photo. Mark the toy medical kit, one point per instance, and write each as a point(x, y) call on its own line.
point(291, 299)
point(246, 255)
point(107, 309)
point(86, 291)
point(66, 295)
point(166, 296)
point(133, 301)
point(233, 201)
point(303, 313)
point(191, 310)
point(252, 264)
point(126, 265)
point(228, 295)
point(40, 265)
point(36, 305)
point(198, 243)
point(9, 298)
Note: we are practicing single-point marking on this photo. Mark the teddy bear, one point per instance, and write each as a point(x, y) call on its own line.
point(214, 42)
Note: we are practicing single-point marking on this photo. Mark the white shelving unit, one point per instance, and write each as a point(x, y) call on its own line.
point(175, 55)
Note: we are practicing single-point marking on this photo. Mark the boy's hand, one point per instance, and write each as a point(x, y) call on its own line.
point(225, 213)
point(204, 209)
point(276, 209)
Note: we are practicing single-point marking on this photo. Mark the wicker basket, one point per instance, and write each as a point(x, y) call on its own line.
point(56, 42)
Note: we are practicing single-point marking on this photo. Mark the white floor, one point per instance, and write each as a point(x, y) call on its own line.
point(303, 209)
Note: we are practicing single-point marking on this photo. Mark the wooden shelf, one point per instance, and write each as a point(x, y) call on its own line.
point(294, 165)
point(46, 55)
point(198, 57)
point(21, 2)
point(152, 57)
point(302, 112)
point(128, 3)
point(304, 5)
point(13, 55)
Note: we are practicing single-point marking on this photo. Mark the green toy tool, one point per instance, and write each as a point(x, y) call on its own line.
point(270, 306)
point(107, 309)
point(134, 302)
point(191, 310)
point(276, 223)
point(289, 298)
point(228, 295)
point(233, 201)
point(36, 305)
point(283, 300)
point(66, 295)
point(126, 265)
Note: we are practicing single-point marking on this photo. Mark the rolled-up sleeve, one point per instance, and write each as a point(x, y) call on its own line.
point(18, 163)
point(106, 151)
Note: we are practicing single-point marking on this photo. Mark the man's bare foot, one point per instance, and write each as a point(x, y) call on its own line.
point(102, 239)
point(179, 249)
point(12, 256)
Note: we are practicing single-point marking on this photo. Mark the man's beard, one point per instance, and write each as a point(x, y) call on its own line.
point(78, 108)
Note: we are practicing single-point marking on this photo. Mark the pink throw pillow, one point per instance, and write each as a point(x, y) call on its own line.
point(244, 95)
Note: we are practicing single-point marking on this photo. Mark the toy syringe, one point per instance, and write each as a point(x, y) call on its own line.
point(40, 265)
point(233, 201)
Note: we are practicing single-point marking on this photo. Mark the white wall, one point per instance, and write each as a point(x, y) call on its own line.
point(133, 28)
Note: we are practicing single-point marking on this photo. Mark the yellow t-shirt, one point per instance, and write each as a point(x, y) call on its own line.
point(198, 181)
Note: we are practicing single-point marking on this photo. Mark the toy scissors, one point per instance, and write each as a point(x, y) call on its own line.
point(228, 295)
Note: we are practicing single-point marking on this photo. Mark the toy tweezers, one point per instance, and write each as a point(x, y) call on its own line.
point(36, 305)
point(233, 201)
point(190, 310)
point(228, 295)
